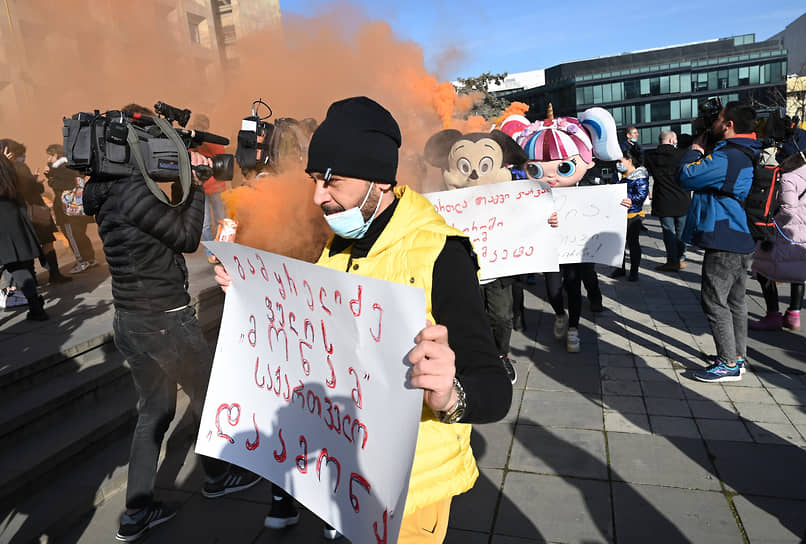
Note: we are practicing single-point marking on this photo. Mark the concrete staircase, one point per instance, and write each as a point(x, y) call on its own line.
point(65, 427)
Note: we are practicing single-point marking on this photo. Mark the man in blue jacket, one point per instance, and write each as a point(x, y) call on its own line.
point(717, 223)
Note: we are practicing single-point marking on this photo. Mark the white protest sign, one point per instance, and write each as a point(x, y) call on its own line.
point(593, 223)
point(308, 387)
point(507, 223)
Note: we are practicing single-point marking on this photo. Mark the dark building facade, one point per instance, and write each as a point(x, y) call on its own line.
point(661, 89)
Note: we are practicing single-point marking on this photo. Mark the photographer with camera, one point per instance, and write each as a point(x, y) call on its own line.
point(717, 222)
point(144, 236)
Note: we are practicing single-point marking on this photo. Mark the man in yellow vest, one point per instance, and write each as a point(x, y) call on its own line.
point(392, 233)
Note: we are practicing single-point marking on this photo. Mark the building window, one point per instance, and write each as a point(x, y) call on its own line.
point(632, 89)
point(675, 110)
point(617, 90)
point(754, 70)
point(645, 87)
point(685, 83)
point(664, 85)
point(597, 94)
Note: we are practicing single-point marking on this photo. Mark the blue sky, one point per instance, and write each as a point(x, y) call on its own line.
point(461, 39)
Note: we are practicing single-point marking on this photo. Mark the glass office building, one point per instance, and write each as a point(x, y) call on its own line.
point(662, 88)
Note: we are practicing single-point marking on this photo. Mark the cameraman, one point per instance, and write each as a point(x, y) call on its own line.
point(155, 328)
point(717, 223)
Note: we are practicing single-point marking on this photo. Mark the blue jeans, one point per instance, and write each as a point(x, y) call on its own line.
point(724, 281)
point(214, 211)
point(163, 349)
point(675, 247)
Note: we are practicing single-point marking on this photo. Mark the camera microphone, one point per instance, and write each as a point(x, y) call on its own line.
point(200, 136)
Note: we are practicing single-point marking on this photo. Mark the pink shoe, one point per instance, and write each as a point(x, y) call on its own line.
point(792, 320)
point(770, 322)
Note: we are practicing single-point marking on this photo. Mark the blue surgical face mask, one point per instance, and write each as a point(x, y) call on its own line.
point(634, 140)
point(620, 167)
point(350, 223)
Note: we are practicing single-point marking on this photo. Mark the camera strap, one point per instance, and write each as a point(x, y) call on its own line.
point(184, 162)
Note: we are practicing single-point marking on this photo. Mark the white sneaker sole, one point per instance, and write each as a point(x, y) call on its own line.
point(280, 523)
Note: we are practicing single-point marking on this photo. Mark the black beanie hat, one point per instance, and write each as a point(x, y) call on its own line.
point(359, 138)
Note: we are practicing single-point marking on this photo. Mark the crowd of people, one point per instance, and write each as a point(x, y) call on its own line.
point(461, 358)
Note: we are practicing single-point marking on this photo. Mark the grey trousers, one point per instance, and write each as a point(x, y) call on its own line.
point(724, 279)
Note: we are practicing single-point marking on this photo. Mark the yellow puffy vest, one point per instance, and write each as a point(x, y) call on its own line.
point(405, 253)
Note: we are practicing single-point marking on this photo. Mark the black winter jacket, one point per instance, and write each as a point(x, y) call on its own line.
point(144, 240)
point(668, 199)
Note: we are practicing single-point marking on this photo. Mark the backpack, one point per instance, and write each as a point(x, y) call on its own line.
point(761, 202)
point(73, 200)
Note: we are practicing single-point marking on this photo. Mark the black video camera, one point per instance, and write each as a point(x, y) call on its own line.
point(708, 112)
point(255, 141)
point(100, 145)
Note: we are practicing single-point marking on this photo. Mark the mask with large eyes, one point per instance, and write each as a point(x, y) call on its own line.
point(558, 173)
point(473, 159)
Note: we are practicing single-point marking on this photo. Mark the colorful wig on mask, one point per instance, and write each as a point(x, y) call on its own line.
point(592, 135)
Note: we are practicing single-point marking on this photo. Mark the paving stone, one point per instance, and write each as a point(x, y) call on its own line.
point(624, 404)
point(657, 460)
point(712, 409)
point(755, 469)
point(783, 381)
point(619, 373)
point(608, 360)
point(795, 397)
point(567, 452)
point(491, 443)
point(775, 433)
point(659, 515)
point(621, 387)
point(796, 414)
point(723, 429)
point(694, 390)
point(754, 411)
point(565, 378)
point(514, 408)
point(474, 510)
point(652, 362)
point(556, 408)
point(617, 422)
point(674, 426)
point(749, 394)
point(657, 374)
point(665, 389)
point(771, 520)
point(667, 407)
point(564, 510)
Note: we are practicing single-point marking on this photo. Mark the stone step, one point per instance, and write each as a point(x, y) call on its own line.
point(71, 495)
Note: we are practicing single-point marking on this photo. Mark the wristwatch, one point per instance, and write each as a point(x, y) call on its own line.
point(455, 414)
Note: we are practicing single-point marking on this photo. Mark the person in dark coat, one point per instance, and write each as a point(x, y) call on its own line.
point(669, 202)
point(31, 192)
point(19, 245)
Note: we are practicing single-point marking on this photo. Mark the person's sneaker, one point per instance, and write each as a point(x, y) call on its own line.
point(791, 320)
point(133, 526)
point(741, 361)
point(283, 513)
point(618, 273)
point(234, 480)
point(668, 267)
point(770, 322)
point(330, 533)
point(572, 340)
point(512, 374)
point(91, 263)
point(560, 326)
point(719, 372)
point(80, 267)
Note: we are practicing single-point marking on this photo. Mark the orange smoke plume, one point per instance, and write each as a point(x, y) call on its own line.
point(515, 108)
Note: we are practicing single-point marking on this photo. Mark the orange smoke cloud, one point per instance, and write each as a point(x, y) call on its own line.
point(515, 108)
point(140, 52)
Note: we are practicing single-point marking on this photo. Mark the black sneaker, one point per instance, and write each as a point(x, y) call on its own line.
point(234, 480)
point(512, 374)
point(283, 512)
point(133, 526)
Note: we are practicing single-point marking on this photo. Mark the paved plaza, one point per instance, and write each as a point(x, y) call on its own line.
point(613, 444)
